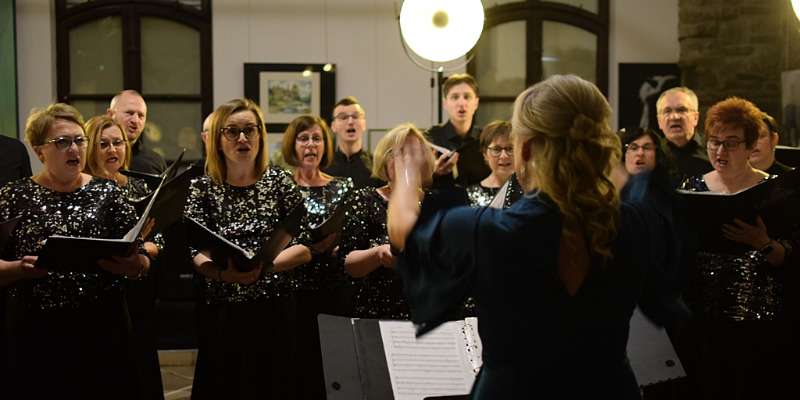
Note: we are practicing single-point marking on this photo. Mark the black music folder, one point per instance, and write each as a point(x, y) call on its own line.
point(168, 207)
point(776, 200)
point(80, 254)
point(155, 180)
point(332, 224)
point(222, 249)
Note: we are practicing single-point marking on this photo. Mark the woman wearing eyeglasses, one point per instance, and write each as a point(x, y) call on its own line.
point(244, 345)
point(69, 332)
point(364, 249)
point(322, 287)
point(732, 346)
point(498, 154)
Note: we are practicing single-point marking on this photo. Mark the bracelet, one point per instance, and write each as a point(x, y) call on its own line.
point(765, 245)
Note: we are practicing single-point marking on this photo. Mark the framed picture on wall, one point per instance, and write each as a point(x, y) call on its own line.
point(286, 91)
point(639, 88)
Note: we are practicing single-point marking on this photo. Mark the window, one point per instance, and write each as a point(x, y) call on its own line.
point(162, 48)
point(526, 41)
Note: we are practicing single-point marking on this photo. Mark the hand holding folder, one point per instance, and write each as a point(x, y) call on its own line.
point(223, 251)
point(80, 254)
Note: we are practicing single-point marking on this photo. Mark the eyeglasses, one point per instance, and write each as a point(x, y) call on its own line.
point(633, 147)
point(118, 143)
point(344, 116)
point(729, 144)
point(233, 133)
point(65, 142)
point(680, 111)
point(495, 151)
point(308, 138)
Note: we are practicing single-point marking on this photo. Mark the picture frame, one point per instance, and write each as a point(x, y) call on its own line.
point(286, 91)
point(640, 84)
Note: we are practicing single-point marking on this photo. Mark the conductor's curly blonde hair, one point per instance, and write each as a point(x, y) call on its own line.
point(563, 122)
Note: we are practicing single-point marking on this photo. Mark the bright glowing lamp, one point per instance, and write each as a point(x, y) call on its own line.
point(441, 30)
point(796, 8)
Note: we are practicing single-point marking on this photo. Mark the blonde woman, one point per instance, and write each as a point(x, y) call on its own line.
point(244, 346)
point(556, 276)
point(364, 248)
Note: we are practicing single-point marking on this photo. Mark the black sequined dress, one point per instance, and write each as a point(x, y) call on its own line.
point(69, 335)
point(322, 287)
point(245, 340)
point(379, 294)
point(738, 329)
point(481, 196)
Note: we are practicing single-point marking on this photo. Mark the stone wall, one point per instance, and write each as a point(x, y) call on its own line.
point(738, 48)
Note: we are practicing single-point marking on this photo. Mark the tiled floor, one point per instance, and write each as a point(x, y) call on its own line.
point(177, 371)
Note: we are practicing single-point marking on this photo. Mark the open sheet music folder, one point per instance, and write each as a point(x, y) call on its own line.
point(80, 254)
point(221, 249)
point(368, 359)
point(776, 200)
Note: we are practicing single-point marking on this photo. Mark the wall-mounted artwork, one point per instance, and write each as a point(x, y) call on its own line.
point(639, 88)
point(286, 91)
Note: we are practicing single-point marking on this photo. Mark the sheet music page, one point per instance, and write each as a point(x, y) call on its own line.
point(433, 365)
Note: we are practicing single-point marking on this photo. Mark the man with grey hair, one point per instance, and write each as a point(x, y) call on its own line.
point(678, 116)
point(128, 109)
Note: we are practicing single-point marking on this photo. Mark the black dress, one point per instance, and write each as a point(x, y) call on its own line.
point(380, 293)
point(245, 340)
point(322, 287)
point(481, 196)
point(538, 341)
point(735, 299)
point(69, 332)
point(140, 295)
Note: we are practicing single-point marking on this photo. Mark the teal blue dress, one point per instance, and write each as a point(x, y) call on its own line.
point(538, 341)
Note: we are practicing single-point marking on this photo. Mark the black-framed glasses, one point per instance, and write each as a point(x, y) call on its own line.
point(680, 111)
point(233, 133)
point(117, 143)
point(728, 144)
point(496, 151)
point(633, 147)
point(345, 116)
point(65, 142)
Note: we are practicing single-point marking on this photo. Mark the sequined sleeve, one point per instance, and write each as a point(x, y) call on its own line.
point(197, 206)
point(363, 227)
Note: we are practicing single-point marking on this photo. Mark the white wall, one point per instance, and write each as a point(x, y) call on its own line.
point(36, 62)
point(641, 32)
point(360, 36)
